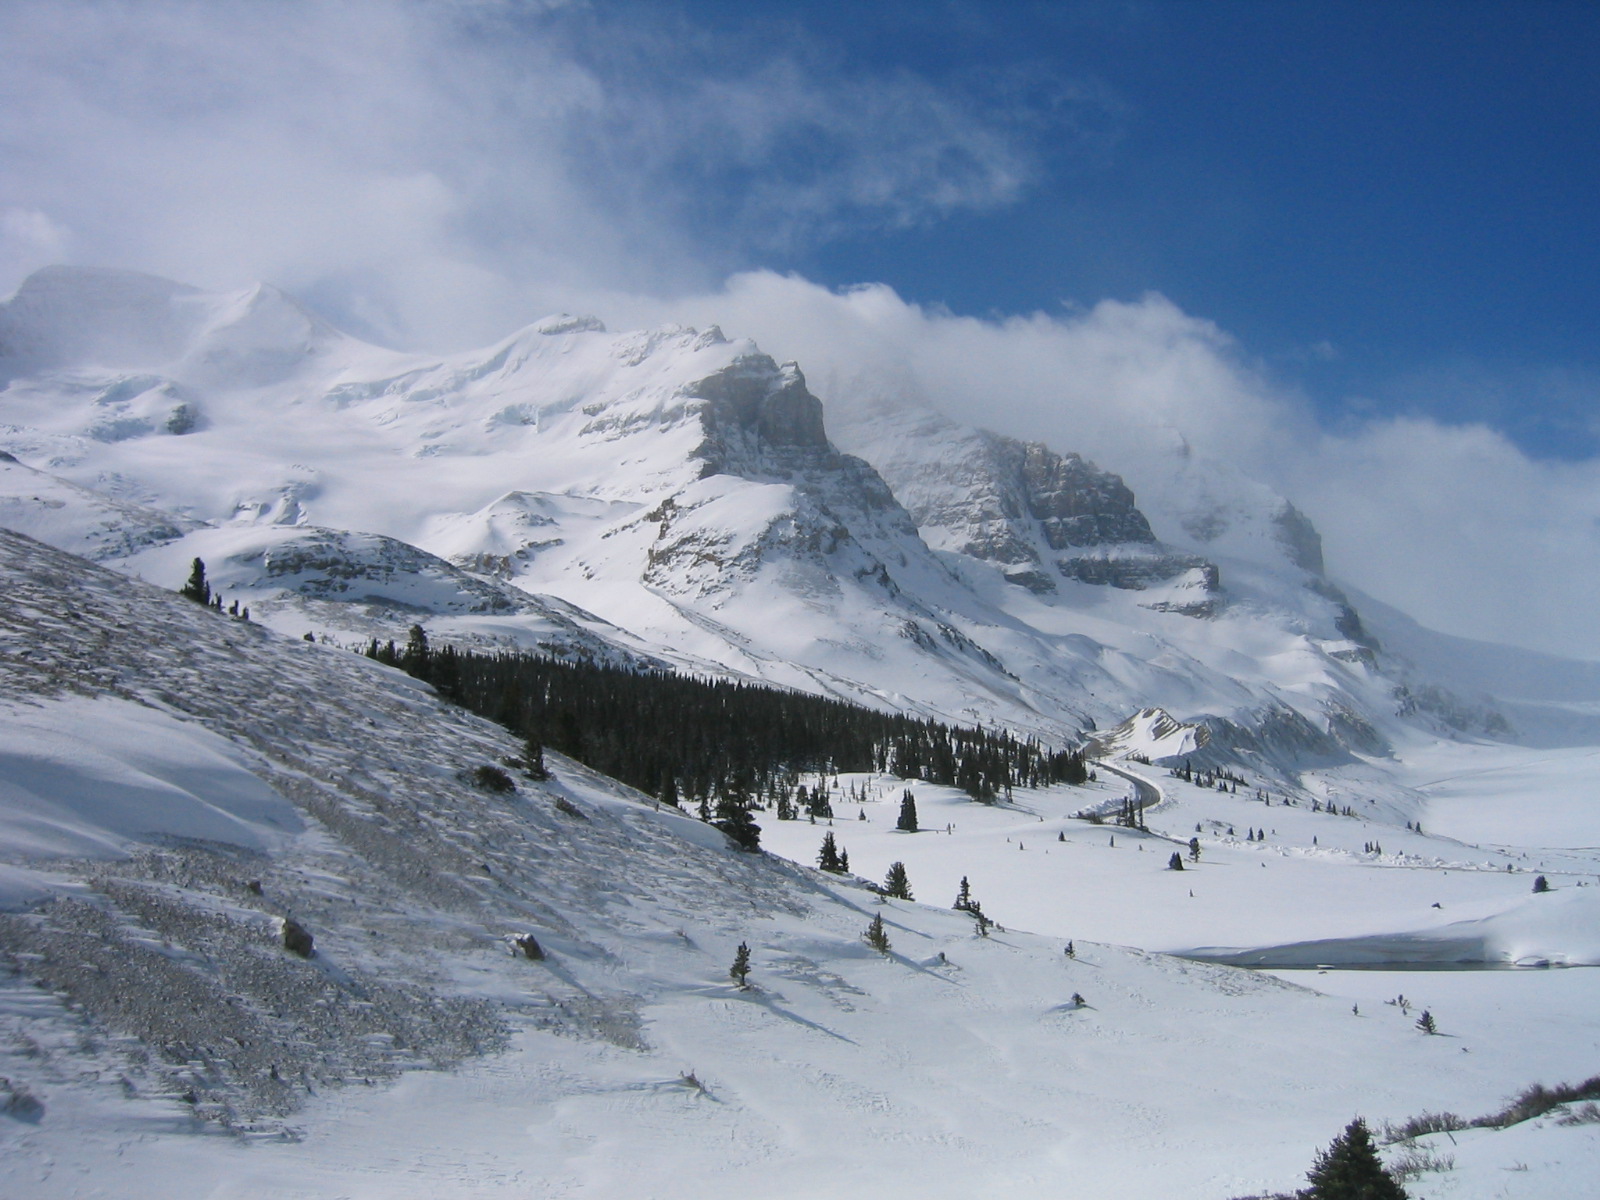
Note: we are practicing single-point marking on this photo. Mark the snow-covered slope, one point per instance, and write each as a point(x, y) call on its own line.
point(1227, 612)
point(148, 995)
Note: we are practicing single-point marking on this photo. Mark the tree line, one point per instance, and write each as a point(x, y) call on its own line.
point(680, 737)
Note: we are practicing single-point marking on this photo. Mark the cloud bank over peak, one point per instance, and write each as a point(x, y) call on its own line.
point(431, 169)
point(1452, 523)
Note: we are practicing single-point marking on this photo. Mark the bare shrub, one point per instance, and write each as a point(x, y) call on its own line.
point(493, 779)
point(1419, 1160)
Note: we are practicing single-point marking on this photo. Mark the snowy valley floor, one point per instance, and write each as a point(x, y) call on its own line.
point(845, 1072)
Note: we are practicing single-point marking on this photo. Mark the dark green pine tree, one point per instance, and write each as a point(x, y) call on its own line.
point(963, 897)
point(828, 857)
point(876, 936)
point(533, 758)
point(416, 656)
point(896, 883)
point(908, 813)
point(197, 589)
point(669, 790)
point(1350, 1169)
point(1175, 863)
point(1541, 884)
point(734, 819)
point(741, 965)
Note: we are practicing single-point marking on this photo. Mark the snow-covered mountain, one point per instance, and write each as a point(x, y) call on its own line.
point(674, 494)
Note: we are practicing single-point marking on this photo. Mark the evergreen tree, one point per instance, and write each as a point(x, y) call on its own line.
point(416, 660)
point(1194, 849)
point(896, 884)
point(819, 805)
point(741, 965)
point(876, 936)
point(844, 862)
point(533, 758)
point(1175, 863)
point(734, 819)
point(669, 791)
point(963, 897)
point(908, 813)
point(828, 856)
point(1426, 1023)
point(197, 589)
point(1541, 884)
point(1350, 1169)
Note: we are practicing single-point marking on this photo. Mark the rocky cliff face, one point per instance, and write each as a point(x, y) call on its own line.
point(1074, 502)
point(1039, 516)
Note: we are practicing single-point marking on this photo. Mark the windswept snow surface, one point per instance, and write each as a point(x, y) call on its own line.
point(82, 778)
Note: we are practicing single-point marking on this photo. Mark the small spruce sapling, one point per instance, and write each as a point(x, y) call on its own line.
point(197, 589)
point(896, 884)
point(828, 857)
point(1194, 849)
point(1426, 1023)
point(741, 965)
point(1175, 863)
point(1350, 1169)
point(1541, 884)
point(734, 819)
point(876, 936)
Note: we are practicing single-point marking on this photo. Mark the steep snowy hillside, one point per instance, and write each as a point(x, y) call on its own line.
point(179, 784)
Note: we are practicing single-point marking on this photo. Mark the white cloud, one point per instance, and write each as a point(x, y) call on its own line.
point(451, 170)
point(29, 240)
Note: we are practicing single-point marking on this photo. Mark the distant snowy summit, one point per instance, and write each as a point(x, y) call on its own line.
point(672, 495)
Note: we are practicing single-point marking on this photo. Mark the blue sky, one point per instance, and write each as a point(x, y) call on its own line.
point(1350, 248)
point(1395, 206)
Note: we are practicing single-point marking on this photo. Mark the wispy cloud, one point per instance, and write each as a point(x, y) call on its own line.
point(442, 170)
